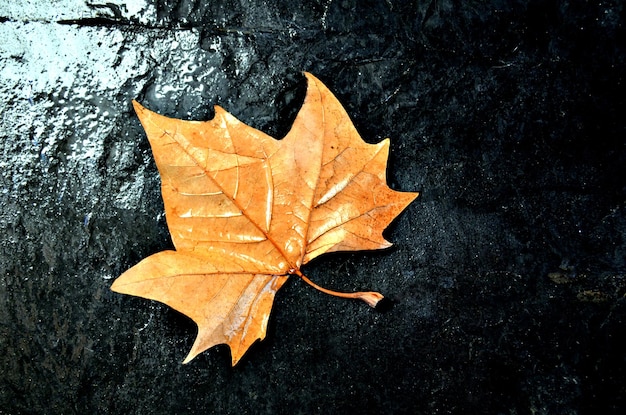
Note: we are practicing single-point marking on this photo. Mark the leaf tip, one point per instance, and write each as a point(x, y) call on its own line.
point(235, 360)
point(190, 356)
point(137, 106)
point(117, 286)
point(187, 360)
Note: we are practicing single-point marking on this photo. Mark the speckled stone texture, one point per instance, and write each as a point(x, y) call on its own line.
point(508, 273)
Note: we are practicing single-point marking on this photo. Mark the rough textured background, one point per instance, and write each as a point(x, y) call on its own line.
point(509, 272)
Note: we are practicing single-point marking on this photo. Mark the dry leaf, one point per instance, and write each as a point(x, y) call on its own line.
point(245, 211)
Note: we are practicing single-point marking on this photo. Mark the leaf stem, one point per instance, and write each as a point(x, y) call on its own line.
point(370, 297)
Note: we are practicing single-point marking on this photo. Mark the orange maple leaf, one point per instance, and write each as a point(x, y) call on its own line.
point(245, 211)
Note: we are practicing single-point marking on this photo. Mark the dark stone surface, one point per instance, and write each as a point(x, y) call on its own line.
point(508, 273)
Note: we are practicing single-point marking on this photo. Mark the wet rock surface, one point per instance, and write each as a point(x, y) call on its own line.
point(508, 273)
